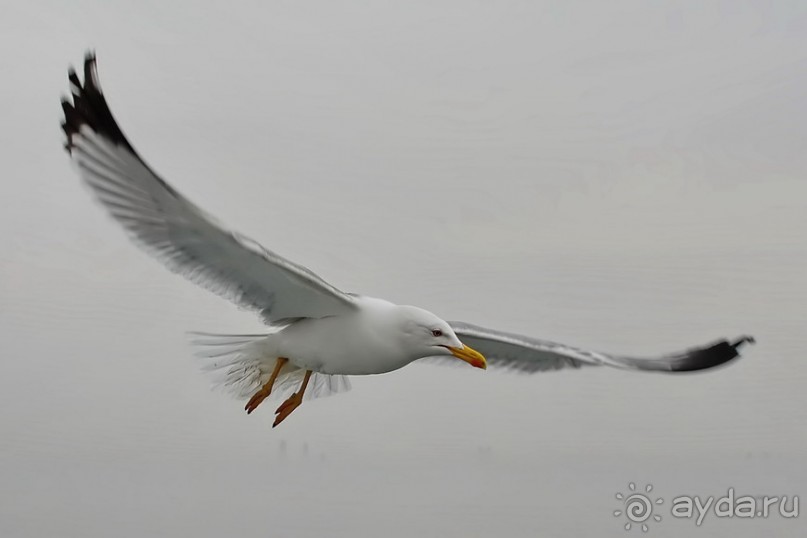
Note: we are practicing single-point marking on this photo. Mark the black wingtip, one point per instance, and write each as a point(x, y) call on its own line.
point(744, 340)
point(710, 357)
point(75, 83)
point(89, 107)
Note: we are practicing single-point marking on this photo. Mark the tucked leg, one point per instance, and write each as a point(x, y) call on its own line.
point(293, 402)
point(266, 389)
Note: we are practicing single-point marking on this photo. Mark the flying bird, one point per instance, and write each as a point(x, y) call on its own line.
point(318, 335)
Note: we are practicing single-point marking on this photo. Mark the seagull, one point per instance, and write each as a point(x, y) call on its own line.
point(318, 335)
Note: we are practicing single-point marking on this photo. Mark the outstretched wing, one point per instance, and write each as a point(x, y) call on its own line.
point(172, 229)
point(525, 354)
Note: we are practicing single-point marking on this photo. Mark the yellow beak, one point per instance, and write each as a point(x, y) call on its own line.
point(469, 355)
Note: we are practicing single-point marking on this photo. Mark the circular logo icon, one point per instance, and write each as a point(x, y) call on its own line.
point(638, 507)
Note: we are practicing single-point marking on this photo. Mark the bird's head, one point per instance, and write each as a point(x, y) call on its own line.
point(429, 336)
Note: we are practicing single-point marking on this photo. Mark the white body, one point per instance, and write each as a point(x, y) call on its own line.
point(366, 341)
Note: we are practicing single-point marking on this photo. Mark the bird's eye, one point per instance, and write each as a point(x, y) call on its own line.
point(437, 332)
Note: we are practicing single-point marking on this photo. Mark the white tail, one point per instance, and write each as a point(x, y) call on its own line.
point(240, 365)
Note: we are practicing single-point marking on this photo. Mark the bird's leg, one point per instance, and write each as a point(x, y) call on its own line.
point(266, 389)
point(293, 402)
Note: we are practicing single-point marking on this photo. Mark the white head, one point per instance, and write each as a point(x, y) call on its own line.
point(429, 336)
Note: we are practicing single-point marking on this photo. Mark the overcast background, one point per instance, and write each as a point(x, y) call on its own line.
point(626, 176)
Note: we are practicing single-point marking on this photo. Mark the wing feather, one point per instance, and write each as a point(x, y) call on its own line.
point(174, 230)
point(527, 354)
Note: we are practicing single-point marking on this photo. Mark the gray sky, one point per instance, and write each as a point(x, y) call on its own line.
point(626, 176)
